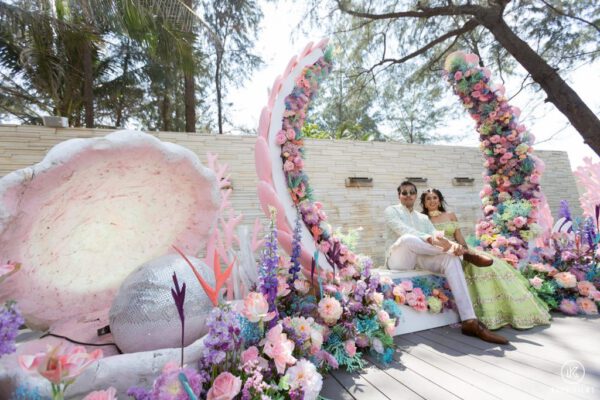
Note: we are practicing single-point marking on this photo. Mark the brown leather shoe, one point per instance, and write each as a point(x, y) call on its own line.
point(474, 327)
point(478, 260)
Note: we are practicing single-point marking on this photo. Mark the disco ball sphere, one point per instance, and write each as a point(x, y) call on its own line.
point(143, 315)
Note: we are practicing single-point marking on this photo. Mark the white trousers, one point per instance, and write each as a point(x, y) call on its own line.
point(410, 251)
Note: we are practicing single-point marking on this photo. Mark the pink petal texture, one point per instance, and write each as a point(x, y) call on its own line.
point(268, 197)
point(262, 160)
point(91, 212)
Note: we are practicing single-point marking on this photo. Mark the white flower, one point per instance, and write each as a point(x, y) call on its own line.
point(304, 376)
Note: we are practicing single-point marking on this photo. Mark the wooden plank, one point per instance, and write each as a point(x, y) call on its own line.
point(333, 390)
point(520, 378)
point(386, 384)
point(477, 374)
point(421, 385)
point(458, 387)
point(357, 386)
point(586, 389)
point(533, 345)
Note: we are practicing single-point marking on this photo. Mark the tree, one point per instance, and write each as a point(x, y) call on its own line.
point(50, 53)
point(234, 25)
point(560, 31)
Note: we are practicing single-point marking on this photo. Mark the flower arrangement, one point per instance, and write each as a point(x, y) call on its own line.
point(292, 154)
point(60, 364)
point(286, 334)
point(428, 293)
point(511, 194)
point(564, 272)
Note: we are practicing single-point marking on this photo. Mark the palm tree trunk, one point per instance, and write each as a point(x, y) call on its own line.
point(189, 88)
point(88, 82)
point(219, 95)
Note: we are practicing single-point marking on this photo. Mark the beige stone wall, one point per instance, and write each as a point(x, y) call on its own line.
point(328, 164)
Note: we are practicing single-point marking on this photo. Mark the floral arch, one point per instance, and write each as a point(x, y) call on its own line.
point(511, 196)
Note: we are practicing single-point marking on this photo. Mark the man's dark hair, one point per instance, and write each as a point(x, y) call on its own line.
point(406, 183)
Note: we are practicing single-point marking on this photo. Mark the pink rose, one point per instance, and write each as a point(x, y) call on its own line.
point(350, 347)
point(290, 134)
point(587, 306)
point(256, 308)
point(280, 138)
point(330, 310)
point(288, 166)
point(520, 221)
point(458, 75)
point(536, 282)
point(250, 354)
point(108, 394)
point(565, 280)
point(406, 285)
point(225, 387)
point(585, 287)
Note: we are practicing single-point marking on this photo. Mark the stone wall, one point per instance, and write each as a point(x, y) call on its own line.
point(328, 164)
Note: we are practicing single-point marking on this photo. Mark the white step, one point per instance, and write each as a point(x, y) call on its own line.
point(412, 320)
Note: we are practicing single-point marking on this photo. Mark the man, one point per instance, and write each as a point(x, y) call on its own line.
point(411, 242)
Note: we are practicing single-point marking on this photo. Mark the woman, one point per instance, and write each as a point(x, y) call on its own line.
point(499, 292)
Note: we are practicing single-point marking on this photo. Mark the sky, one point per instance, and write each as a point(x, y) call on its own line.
point(279, 40)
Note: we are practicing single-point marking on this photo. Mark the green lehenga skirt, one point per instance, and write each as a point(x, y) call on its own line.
point(501, 296)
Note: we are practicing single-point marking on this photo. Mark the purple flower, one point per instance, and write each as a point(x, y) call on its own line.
point(268, 269)
point(10, 321)
point(168, 385)
point(564, 210)
point(224, 335)
point(139, 393)
point(295, 257)
point(178, 294)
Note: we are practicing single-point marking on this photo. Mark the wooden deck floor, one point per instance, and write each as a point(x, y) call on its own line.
point(442, 363)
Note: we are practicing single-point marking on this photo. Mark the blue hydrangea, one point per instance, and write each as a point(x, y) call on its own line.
point(392, 308)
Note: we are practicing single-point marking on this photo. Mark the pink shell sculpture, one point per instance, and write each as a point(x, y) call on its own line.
point(91, 212)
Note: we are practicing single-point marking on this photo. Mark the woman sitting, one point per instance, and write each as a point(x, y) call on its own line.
point(500, 294)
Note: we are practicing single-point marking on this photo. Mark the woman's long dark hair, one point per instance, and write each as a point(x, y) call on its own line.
point(440, 196)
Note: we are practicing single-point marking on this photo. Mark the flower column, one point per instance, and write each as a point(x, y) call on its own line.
point(511, 193)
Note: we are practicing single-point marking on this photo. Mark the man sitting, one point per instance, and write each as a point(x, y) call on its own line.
point(411, 242)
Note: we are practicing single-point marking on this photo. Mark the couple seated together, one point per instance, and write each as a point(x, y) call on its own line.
point(489, 293)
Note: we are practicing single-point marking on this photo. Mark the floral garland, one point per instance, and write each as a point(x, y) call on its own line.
point(297, 104)
point(421, 293)
point(564, 272)
point(511, 194)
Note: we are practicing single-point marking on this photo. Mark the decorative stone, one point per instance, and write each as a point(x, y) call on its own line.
point(143, 315)
point(91, 212)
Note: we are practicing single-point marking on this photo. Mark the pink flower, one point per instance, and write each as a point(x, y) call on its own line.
point(489, 209)
point(520, 221)
point(567, 256)
point(565, 280)
point(250, 354)
point(283, 289)
point(585, 287)
point(383, 316)
point(568, 307)
point(595, 295)
point(536, 282)
point(288, 166)
point(458, 75)
point(60, 363)
point(225, 387)
point(280, 138)
point(290, 134)
point(587, 306)
point(330, 310)
point(279, 348)
point(350, 347)
point(495, 139)
point(108, 394)
point(406, 285)
point(256, 308)
point(325, 246)
point(302, 286)
point(377, 298)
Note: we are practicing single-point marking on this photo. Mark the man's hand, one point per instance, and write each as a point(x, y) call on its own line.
point(447, 246)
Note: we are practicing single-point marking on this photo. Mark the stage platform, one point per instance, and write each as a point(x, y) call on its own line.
point(441, 363)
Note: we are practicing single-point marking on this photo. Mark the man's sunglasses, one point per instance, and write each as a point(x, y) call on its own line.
point(408, 193)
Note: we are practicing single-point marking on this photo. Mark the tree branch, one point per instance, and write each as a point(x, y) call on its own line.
point(468, 26)
point(424, 12)
point(556, 10)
